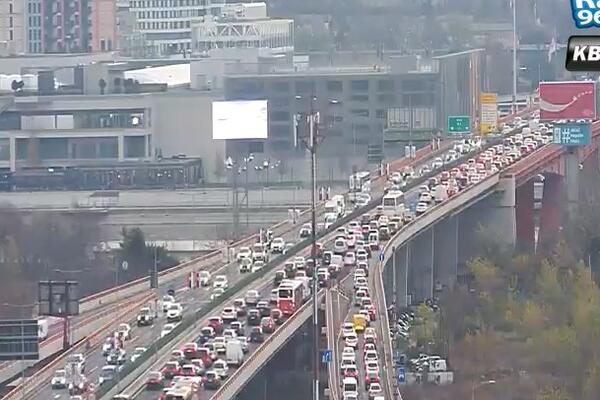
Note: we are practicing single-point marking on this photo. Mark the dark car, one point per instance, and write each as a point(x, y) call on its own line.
point(327, 257)
point(256, 335)
point(206, 333)
point(267, 324)
point(253, 317)
point(279, 276)
point(154, 381)
point(264, 308)
point(238, 327)
point(212, 380)
point(277, 316)
point(171, 292)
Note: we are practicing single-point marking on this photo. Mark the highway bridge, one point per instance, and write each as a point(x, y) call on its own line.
point(461, 212)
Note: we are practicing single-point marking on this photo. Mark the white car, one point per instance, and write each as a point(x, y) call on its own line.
point(204, 278)
point(277, 245)
point(124, 331)
point(257, 266)
point(374, 390)
point(216, 293)
point(371, 355)
point(59, 380)
point(166, 301)
point(244, 252)
point(350, 259)
point(351, 340)
point(137, 352)
point(305, 231)
point(229, 314)
point(340, 246)
point(220, 282)
point(349, 352)
point(421, 208)
point(167, 328)
point(372, 367)
point(175, 312)
point(107, 346)
point(347, 329)
point(221, 368)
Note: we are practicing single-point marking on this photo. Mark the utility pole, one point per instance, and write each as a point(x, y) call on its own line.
point(311, 142)
point(514, 60)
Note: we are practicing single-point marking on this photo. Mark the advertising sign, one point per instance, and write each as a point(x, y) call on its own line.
point(19, 339)
point(567, 100)
point(240, 119)
point(488, 120)
point(572, 134)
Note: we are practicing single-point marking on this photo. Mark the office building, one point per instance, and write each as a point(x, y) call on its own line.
point(166, 24)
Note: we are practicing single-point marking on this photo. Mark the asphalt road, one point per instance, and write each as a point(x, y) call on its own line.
point(190, 299)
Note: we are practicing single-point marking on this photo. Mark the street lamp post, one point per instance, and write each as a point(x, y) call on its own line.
point(480, 384)
point(311, 142)
point(514, 60)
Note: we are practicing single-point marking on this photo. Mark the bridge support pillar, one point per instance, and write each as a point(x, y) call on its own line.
point(420, 272)
point(496, 213)
point(524, 214)
point(396, 277)
point(445, 266)
point(572, 171)
point(550, 214)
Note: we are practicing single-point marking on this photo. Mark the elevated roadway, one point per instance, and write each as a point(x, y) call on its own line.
point(175, 276)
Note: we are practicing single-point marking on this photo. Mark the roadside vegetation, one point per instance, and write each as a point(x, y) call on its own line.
point(527, 321)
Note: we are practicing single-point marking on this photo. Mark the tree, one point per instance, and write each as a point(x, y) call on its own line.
point(553, 393)
point(139, 255)
point(102, 85)
point(282, 170)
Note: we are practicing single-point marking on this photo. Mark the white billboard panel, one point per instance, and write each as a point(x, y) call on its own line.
point(240, 119)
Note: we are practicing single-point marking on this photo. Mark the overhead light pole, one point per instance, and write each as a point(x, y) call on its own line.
point(514, 60)
point(311, 142)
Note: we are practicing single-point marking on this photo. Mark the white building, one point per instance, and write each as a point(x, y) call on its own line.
point(166, 24)
point(244, 32)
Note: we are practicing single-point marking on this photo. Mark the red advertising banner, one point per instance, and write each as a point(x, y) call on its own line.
point(567, 100)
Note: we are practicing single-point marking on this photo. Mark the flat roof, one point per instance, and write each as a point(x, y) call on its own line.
point(172, 75)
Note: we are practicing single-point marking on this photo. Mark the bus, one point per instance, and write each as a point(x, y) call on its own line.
point(359, 181)
point(393, 203)
point(290, 296)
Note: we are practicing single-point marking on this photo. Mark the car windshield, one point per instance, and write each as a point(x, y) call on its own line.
point(107, 373)
point(60, 373)
point(174, 307)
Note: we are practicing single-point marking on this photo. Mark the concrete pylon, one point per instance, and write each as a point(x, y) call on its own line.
point(572, 172)
point(524, 214)
point(420, 273)
point(551, 212)
point(445, 265)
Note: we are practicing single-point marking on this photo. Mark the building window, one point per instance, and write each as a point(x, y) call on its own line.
point(53, 148)
point(279, 101)
point(135, 146)
point(4, 149)
point(10, 8)
point(10, 22)
point(305, 87)
point(281, 86)
point(11, 35)
point(335, 86)
point(360, 86)
point(385, 85)
point(387, 98)
point(360, 97)
point(360, 112)
point(280, 131)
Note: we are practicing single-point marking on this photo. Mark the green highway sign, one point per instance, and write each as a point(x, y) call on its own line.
point(459, 124)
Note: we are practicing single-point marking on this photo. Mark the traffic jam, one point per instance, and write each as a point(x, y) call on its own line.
point(226, 340)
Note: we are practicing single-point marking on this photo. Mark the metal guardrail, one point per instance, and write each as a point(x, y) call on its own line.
point(331, 344)
point(44, 375)
point(261, 356)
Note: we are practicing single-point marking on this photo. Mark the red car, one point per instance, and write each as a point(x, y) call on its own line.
point(190, 350)
point(190, 370)
point(372, 312)
point(371, 377)
point(206, 355)
point(154, 380)
point(350, 372)
point(171, 369)
point(216, 323)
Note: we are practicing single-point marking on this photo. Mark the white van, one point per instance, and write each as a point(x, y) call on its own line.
point(349, 385)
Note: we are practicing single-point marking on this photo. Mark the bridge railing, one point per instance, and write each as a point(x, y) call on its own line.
point(266, 350)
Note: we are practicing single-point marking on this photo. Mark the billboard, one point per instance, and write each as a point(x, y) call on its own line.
point(488, 119)
point(567, 100)
point(239, 119)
